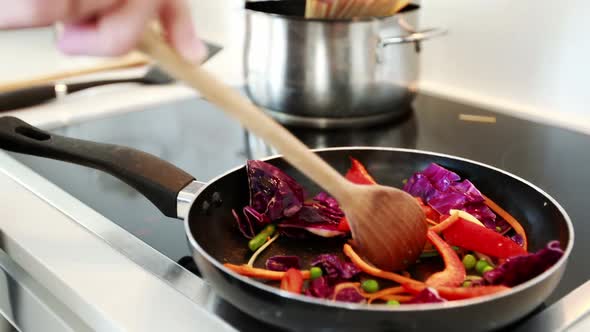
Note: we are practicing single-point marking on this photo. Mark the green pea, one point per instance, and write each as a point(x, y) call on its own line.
point(393, 303)
point(480, 265)
point(466, 283)
point(260, 239)
point(315, 272)
point(469, 261)
point(487, 269)
point(370, 286)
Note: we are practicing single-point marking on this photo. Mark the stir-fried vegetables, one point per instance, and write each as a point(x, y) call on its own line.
point(475, 248)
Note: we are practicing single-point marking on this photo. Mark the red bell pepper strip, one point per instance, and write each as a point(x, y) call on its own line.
point(343, 226)
point(470, 236)
point(292, 281)
point(358, 173)
point(509, 219)
point(257, 273)
point(457, 293)
point(454, 273)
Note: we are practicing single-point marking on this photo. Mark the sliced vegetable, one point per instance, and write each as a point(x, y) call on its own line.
point(358, 173)
point(472, 237)
point(466, 216)
point(244, 225)
point(428, 211)
point(283, 263)
point(458, 293)
point(335, 269)
point(487, 269)
point(260, 273)
point(517, 270)
point(257, 241)
point(509, 219)
point(454, 272)
point(261, 249)
point(320, 287)
point(273, 192)
point(444, 224)
point(321, 216)
point(370, 286)
point(368, 269)
point(427, 295)
point(343, 225)
point(441, 189)
point(349, 294)
point(292, 281)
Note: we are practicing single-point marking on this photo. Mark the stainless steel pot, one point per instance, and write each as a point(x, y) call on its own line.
point(330, 73)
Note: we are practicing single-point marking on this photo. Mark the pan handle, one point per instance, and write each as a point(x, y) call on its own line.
point(156, 179)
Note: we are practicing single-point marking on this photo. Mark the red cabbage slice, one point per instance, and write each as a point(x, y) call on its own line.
point(516, 270)
point(349, 294)
point(283, 263)
point(320, 217)
point(244, 225)
point(334, 268)
point(320, 287)
point(442, 190)
point(273, 192)
point(428, 295)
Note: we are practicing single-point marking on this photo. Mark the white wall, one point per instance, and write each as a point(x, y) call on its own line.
point(528, 56)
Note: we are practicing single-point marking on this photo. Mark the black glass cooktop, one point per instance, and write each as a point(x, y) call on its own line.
point(200, 139)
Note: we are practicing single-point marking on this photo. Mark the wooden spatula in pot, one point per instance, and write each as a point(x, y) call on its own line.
point(388, 226)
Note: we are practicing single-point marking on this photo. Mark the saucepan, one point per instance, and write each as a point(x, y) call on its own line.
point(215, 239)
point(331, 72)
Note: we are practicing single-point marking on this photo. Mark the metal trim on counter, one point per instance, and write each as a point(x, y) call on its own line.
point(28, 306)
point(193, 294)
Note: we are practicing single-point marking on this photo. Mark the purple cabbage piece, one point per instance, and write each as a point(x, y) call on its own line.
point(244, 225)
point(335, 269)
point(428, 295)
point(518, 239)
point(320, 287)
point(516, 270)
point(442, 190)
point(349, 294)
point(273, 192)
point(283, 263)
point(254, 217)
point(320, 217)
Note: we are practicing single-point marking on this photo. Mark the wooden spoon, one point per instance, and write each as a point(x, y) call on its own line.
point(388, 226)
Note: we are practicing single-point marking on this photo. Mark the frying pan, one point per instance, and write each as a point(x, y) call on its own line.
point(214, 238)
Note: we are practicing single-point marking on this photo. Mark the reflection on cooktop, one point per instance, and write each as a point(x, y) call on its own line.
point(197, 137)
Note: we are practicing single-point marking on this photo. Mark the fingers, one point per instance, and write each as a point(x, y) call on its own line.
point(36, 13)
point(114, 32)
point(177, 22)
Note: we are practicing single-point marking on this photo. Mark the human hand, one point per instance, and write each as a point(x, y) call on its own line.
point(106, 27)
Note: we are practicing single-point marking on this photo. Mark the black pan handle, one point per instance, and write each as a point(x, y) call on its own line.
point(156, 179)
point(36, 95)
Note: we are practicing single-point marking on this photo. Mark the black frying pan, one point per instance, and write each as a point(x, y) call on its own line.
point(215, 239)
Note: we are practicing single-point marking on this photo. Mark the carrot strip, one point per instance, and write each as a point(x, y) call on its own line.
point(458, 293)
point(260, 273)
point(386, 291)
point(397, 297)
point(365, 267)
point(509, 219)
point(438, 228)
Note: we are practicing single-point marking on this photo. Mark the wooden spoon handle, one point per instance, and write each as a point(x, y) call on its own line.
point(244, 111)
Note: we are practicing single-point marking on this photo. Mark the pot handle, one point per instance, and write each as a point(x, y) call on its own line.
point(158, 180)
point(415, 36)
